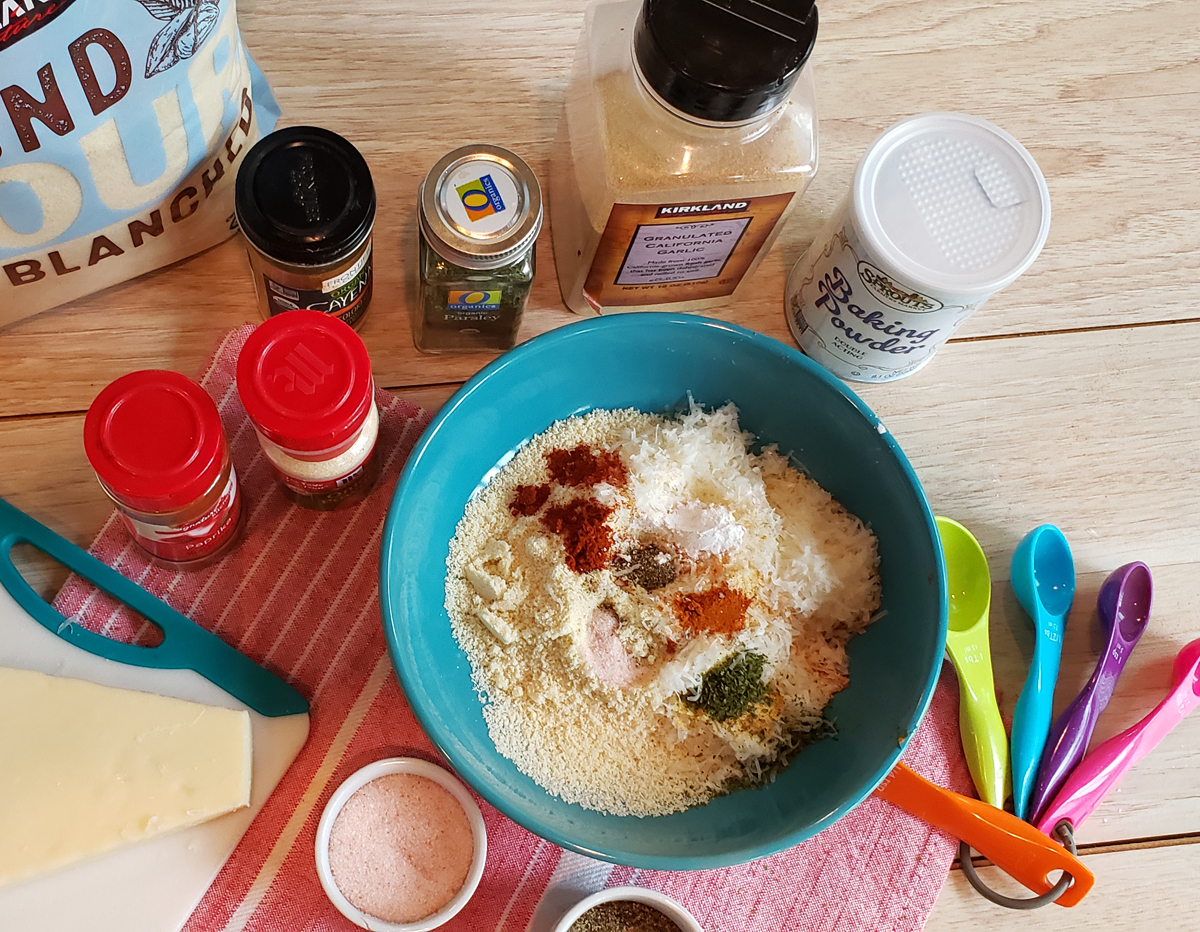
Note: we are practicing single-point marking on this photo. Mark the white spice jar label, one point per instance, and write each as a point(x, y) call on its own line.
point(858, 321)
point(671, 253)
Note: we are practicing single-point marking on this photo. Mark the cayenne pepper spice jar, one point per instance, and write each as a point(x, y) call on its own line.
point(305, 201)
point(156, 443)
point(305, 381)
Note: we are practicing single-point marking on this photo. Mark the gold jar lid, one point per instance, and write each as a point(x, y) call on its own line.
point(480, 207)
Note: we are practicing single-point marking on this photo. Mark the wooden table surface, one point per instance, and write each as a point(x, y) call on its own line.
point(1071, 397)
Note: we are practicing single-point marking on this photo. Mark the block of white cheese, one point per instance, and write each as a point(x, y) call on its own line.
point(85, 769)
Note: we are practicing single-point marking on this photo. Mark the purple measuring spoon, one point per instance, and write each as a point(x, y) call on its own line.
point(1124, 608)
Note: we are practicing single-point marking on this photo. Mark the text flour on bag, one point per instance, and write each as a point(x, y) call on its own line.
point(122, 124)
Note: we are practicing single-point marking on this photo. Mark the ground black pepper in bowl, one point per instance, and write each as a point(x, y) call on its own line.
point(649, 566)
point(623, 916)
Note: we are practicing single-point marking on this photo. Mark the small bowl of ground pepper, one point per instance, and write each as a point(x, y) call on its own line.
point(628, 909)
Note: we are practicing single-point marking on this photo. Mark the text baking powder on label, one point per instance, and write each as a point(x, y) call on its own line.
point(944, 211)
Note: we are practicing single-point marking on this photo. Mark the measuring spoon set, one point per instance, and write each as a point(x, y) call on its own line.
point(1053, 785)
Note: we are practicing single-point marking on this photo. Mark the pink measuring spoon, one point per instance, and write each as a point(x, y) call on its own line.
point(1103, 768)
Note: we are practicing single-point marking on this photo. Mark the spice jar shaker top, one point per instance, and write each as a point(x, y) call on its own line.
point(945, 209)
point(156, 443)
point(480, 212)
point(694, 56)
point(305, 381)
point(305, 201)
point(688, 135)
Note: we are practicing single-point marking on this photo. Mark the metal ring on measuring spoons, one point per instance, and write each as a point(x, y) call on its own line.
point(1062, 833)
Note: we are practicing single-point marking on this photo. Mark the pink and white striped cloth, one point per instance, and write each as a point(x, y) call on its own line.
point(299, 595)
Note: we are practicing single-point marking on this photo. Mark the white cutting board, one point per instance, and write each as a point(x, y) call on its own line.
point(155, 885)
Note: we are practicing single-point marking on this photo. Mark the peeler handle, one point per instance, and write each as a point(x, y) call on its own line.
point(1014, 846)
point(185, 645)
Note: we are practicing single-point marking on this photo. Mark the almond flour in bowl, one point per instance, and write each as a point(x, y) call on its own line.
point(655, 614)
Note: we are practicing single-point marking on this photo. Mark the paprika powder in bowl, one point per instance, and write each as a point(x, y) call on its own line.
point(655, 363)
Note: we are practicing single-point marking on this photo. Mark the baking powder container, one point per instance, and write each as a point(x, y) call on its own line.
point(305, 381)
point(355, 782)
point(944, 211)
point(305, 201)
point(156, 443)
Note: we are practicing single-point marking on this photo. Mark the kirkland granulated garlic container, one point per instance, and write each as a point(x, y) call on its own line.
point(944, 211)
point(688, 135)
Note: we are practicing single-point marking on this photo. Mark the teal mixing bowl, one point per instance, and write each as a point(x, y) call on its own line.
point(652, 362)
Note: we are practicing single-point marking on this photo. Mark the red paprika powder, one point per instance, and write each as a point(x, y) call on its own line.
point(528, 500)
point(581, 467)
point(582, 525)
point(719, 610)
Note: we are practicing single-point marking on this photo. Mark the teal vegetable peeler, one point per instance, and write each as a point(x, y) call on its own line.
point(185, 645)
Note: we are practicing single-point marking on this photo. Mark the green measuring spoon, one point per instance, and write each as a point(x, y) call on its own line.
point(970, 589)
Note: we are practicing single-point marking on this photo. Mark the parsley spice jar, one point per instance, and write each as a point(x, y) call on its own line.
point(305, 381)
point(306, 204)
point(156, 443)
point(480, 212)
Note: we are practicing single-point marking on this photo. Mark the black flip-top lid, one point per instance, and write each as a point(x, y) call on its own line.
point(724, 60)
point(304, 195)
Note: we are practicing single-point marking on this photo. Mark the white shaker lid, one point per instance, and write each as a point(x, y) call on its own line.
point(951, 203)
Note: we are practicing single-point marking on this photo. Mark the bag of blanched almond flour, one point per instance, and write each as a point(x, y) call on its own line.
point(122, 125)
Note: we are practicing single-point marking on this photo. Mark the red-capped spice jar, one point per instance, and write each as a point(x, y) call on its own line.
point(156, 443)
point(305, 380)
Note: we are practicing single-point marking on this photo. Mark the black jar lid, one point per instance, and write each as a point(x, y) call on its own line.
point(724, 60)
point(304, 196)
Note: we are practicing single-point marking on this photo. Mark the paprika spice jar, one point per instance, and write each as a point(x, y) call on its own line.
point(305, 381)
point(156, 443)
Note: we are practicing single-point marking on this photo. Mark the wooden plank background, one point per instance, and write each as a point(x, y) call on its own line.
point(1071, 397)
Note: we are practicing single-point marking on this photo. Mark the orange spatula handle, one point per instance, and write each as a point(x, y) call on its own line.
point(1016, 847)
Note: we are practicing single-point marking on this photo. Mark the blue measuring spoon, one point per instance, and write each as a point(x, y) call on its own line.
point(1043, 578)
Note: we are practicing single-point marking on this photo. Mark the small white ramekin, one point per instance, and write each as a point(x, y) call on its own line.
point(355, 782)
point(660, 901)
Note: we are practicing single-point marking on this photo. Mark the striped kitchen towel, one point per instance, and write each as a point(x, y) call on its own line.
point(300, 596)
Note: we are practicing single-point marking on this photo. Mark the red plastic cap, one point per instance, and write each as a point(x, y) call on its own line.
point(304, 378)
point(155, 440)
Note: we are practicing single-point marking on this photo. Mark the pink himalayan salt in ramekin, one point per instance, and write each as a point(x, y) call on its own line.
point(400, 846)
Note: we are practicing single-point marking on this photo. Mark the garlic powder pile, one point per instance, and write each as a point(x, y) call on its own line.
point(654, 614)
